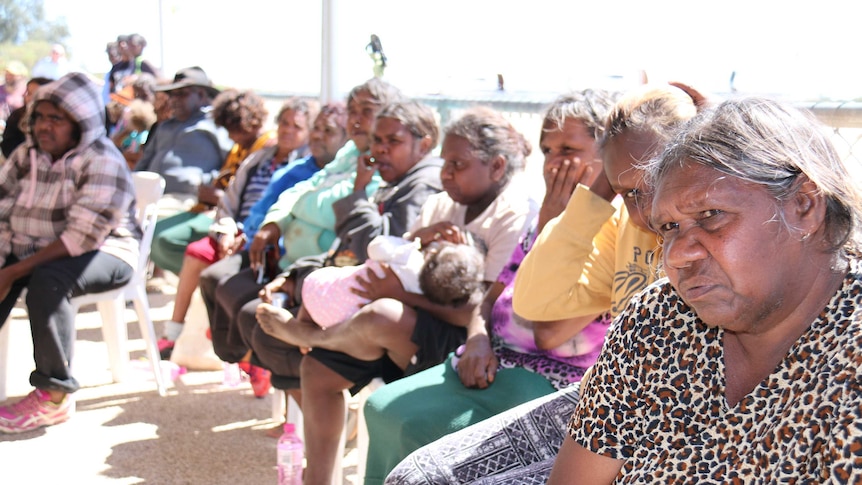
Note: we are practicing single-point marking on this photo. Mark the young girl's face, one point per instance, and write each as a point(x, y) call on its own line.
point(621, 154)
point(465, 177)
point(568, 142)
point(394, 149)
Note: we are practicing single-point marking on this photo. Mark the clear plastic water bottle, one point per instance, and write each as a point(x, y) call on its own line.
point(290, 455)
point(232, 374)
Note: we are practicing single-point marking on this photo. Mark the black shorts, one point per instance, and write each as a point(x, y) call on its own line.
point(434, 337)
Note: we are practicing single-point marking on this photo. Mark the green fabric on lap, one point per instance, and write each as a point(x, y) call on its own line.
point(173, 234)
point(409, 413)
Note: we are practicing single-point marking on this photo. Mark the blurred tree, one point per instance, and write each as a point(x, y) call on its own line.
point(25, 34)
point(23, 20)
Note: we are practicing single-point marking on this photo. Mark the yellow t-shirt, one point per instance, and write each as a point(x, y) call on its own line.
point(588, 260)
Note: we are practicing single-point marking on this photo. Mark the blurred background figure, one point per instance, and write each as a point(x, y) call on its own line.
point(375, 51)
point(112, 49)
point(133, 128)
point(12, 91)
point(54, 65)
point(132, 63)
point(13, 135)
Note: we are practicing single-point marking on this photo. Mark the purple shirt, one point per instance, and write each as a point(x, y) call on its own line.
point(513, 341)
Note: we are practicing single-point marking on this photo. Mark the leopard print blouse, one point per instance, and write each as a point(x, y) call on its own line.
point(655, 399)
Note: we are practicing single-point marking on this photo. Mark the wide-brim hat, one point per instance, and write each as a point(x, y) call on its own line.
point(190, 76)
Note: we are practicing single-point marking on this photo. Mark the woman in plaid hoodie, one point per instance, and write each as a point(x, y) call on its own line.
point(67, 228)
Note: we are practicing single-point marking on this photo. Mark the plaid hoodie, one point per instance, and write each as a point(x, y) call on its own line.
point(86, 198)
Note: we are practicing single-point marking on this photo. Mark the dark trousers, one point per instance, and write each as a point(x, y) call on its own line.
point(225, 287)
point(50, 288)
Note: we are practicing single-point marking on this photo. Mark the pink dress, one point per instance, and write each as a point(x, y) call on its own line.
point(327, 292)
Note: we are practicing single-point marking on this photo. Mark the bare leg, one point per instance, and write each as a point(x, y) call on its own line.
point(296, 394)
point(323, 413)
point(190, 276)
point(383, 326)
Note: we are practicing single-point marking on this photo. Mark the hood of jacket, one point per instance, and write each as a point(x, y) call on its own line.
point(76, 94)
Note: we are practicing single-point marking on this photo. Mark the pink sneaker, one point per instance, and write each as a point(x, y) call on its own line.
point(259, 378)
point(166, 348)
point(34, 411)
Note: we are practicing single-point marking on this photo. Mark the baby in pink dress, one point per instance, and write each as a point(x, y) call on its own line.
point(446, 273)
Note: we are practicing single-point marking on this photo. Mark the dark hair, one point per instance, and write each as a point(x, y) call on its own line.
point(137, 39)
point(453, 274)
point(41, 81)
point(234, 109)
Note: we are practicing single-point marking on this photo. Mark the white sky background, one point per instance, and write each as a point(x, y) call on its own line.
point(799, 49)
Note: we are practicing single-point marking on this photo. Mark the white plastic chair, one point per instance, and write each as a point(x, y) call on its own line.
point(149, 188)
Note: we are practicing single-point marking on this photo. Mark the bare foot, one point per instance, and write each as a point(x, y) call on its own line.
point(276, 323)
point(276, 431)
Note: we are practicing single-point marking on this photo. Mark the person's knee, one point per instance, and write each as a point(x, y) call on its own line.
point(382, 320)
point(246, 321)
point(50, 282)
point(209, 279)
point(283, 359)
point(379, 313)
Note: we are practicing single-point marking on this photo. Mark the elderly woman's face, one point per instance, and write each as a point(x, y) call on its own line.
point(292, 130)
point(725, 250)
point(619, 156)
point(361, 110)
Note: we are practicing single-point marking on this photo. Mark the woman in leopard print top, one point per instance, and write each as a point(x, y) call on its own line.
point(743, 366)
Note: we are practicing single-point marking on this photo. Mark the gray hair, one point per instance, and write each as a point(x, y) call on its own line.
point(418, 118)
point(309, 107)
point(490, 135)
point(381, 92)
point(590, 106)
point(768, 143)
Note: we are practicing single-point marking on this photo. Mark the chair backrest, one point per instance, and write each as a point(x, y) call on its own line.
point(149, 188)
